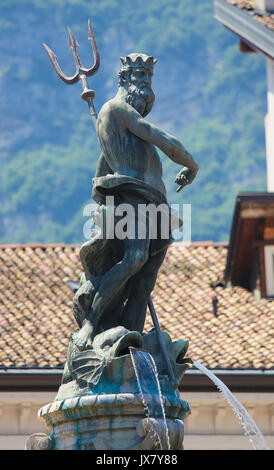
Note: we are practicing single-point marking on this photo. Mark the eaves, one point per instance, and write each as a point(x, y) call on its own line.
point(49, 380)
point(241, 23)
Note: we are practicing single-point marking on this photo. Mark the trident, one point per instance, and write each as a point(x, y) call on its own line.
point(81, 72)
point(88, 95)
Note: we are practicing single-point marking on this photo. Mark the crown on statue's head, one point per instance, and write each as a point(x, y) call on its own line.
point(136, 61)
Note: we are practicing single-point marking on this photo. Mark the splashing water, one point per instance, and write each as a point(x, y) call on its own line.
point(148, 383)
point(250, 428)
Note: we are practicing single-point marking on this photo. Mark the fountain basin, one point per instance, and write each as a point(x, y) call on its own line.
point(110, 422)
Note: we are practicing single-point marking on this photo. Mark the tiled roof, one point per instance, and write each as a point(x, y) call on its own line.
point(227, 327)
point(266, 19)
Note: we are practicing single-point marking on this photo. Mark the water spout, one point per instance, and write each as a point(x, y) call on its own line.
point(149, 386)
point(250, 428)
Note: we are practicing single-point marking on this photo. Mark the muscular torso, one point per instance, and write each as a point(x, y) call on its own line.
point(126, 153)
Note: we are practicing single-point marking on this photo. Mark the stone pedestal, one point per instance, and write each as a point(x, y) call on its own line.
point(106, 403)
point(110, 422)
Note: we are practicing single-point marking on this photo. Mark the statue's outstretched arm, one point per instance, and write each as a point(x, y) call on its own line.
point(171, 146)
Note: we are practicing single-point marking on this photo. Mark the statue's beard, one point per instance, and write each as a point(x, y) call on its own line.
point(141, 99)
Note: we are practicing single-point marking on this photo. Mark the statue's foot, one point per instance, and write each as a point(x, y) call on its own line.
point(83, 338)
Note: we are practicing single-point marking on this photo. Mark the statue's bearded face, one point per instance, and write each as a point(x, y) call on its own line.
point(139, 93)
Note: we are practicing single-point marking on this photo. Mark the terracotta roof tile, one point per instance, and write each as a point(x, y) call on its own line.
point(266, 19)
point(37, 318)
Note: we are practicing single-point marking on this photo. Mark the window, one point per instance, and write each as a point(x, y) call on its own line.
point(269, 269)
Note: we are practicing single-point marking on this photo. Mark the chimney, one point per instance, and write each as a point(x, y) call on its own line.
point(264, 6)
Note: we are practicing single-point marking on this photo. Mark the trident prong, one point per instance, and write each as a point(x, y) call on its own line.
point(73, 44)
point(96, 56)
point(81, 72)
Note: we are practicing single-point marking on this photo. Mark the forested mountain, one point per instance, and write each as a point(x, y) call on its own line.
point(207, 93)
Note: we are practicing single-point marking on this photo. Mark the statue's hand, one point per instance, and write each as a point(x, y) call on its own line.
point(185, 176)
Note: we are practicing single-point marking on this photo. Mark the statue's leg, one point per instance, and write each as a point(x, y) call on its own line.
point(114, 312)
point(135, 256)
point(141, 286)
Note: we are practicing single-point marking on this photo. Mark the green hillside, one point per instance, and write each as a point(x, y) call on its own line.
point(207, 93)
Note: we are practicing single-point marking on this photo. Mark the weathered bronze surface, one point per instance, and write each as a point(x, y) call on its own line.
point(120, 274)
